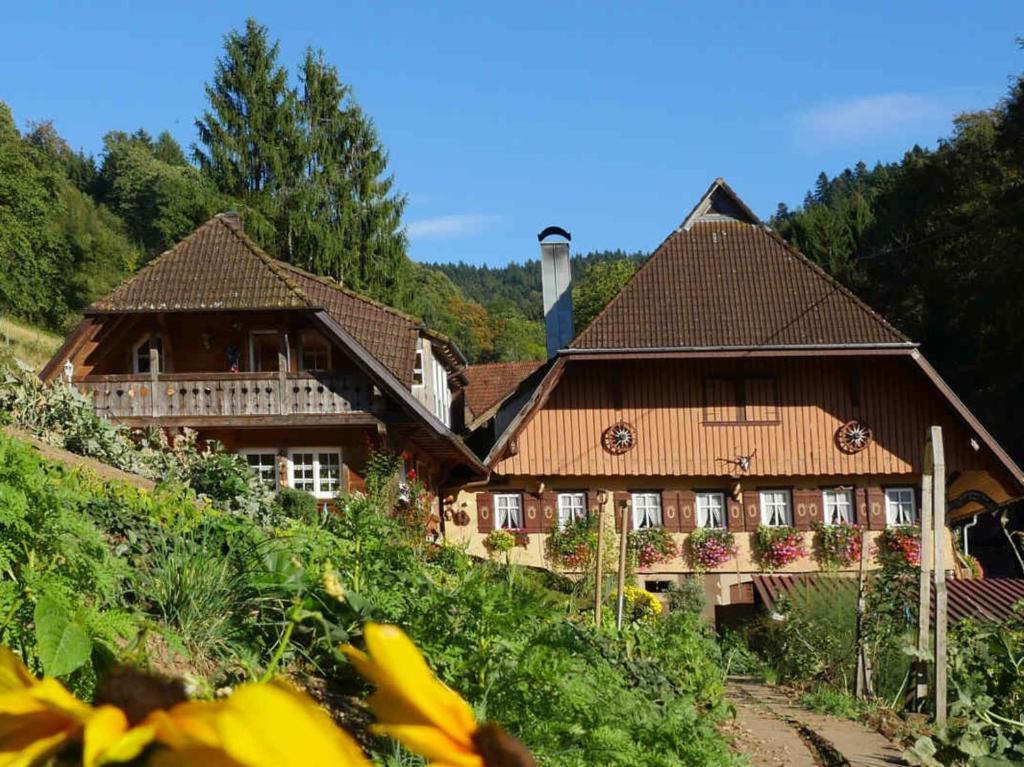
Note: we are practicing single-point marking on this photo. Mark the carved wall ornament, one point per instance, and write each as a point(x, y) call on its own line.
point(619, 438)
point(853, 436)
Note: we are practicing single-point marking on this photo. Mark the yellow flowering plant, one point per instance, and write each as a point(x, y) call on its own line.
point(262, 724)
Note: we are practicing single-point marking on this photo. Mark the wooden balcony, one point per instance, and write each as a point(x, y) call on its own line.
point(232, 399)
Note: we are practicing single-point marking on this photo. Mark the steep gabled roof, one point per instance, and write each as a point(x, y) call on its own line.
point(724, 280)
point(491, 383)
point(216, 267)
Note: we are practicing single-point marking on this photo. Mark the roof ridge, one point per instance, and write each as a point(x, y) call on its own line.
point(330, 282)
point(272, 263)
point(840, 287)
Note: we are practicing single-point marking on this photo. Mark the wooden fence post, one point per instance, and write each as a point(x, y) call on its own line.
point(925, 580)
point(939, 534)
point(623, 536)
point(864, 687)
point(599, 567)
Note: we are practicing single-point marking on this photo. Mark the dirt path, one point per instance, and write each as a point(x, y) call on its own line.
point(772, 731)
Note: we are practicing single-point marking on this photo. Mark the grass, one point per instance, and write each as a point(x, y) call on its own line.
point(30, 345)
point(828, 700)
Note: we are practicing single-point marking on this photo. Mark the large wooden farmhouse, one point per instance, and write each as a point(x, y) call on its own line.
point(301, 375)
point(730, 384)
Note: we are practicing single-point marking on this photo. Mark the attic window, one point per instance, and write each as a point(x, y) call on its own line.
point(316, 352)
point(140, 353)
point(417, 367)
point(749, 399)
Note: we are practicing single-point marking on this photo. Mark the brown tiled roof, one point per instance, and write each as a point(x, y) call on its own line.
point(490, 383)
point(215, 267)
point(388, 334)
point(723, 279)
point(218, 267)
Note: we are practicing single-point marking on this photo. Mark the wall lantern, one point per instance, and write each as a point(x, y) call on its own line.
point(602, 498)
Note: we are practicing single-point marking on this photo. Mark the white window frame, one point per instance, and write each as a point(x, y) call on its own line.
point(837, 505)
point(647, 509)
point(252, 349)
point(322, 344)
point(706, 503)
point(776, 507)
point(318, 479)
point(143, 343)
point(262, 451)
point(417, 366)
point(508, 511)
point(895, 498)
point(571, 506)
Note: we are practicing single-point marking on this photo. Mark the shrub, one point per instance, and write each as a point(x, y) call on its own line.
point(776, 547)
point(651, 545)
point(499, 542)
point(290, 503)
point(902, 543)
point(573, 545)
point(708, 548)
point(828, 700)
point(687, 595)
point(838, 546)
point(639, 605)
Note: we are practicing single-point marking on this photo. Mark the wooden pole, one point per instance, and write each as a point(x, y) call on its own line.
point(863, 683)
point(623, 535)
point(925, 582)
point(599, 566)
point(939, 534)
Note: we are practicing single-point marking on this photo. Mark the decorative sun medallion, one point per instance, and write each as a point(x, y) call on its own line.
point(619, 438)
point(853, 436)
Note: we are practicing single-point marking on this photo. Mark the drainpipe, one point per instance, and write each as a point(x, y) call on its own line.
point(968, 526)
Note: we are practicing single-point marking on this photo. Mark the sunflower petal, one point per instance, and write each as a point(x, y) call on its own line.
point(13, 674)
point(108, 738)
point(432, 743)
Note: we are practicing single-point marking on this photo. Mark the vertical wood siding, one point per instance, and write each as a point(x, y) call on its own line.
point(665, 401)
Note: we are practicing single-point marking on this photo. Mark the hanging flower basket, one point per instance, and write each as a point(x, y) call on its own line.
point(902, 544)
point(708, 548)
point(838, 546)
point(776, 547)
point(651, 546)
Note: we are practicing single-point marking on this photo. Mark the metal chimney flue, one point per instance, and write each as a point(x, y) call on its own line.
point(556, 281)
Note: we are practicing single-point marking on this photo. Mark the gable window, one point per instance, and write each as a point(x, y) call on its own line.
point(776, 508)
point(741, 399)
point(316, 352)
point(417, 365)
point(508, 511)
point(900, 508)
point(264, 463)
point(838, 506)
point(711, 509)
point(140, 353)
point(263, 351)
point(571, 506)
point(646, 510)
point(316, 471)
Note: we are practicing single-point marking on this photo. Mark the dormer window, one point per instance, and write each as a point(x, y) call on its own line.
point(316, 352)
point(140, 353)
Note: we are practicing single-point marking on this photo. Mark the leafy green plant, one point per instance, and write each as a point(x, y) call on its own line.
point(829, 700)
point(687, 595)
point(290, 503)
point(499, 542)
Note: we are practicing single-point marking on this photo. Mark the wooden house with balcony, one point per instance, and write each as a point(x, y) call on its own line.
point(301, 375)
point(731, 384)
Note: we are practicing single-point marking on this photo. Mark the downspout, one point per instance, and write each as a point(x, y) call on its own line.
point(968, 526)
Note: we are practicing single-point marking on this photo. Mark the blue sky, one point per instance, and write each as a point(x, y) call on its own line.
point(607, 119)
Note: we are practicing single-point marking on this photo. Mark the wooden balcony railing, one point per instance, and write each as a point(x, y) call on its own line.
point(183, 395)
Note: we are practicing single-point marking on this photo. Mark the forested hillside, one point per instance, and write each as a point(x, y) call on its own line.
point(935, 242)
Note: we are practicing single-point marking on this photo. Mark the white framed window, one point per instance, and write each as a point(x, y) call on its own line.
point(316, 352)
point(140, 353)
point(442, 394)
point(417, 365)
point(646, 510)
point(264, 346)
point(710, 509)
point(838, 506)
point(508, 511)
point(776, 508)
point(263, 461)
point(900, 506)
point(315, 470)
point(571, 506)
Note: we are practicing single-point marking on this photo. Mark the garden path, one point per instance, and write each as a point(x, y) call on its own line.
point(771, 727)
